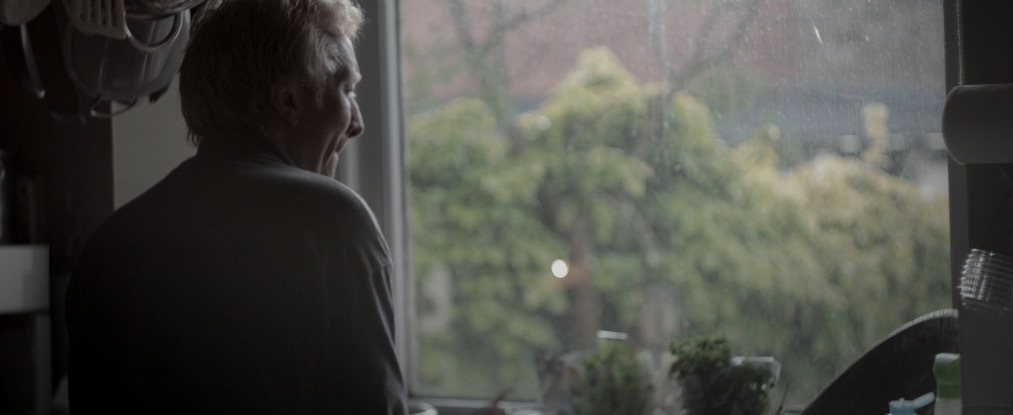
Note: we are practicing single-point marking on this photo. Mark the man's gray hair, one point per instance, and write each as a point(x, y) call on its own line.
point(240, 49)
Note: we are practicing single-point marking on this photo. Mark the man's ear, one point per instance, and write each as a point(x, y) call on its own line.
point(285, 99)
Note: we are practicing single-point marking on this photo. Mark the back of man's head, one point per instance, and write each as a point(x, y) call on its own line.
point(240, 49)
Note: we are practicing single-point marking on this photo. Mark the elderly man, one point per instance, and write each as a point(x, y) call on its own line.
point(248, 280)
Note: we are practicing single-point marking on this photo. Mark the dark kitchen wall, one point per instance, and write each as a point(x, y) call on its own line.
point(68, 163)
point(82, 167)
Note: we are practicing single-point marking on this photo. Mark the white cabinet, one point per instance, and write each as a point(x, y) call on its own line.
point(25, 338)
point(24, 279)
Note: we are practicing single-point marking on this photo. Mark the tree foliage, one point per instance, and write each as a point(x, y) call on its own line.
point(811, 264)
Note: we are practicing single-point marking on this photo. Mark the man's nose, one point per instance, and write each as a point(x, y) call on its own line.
point(356, 126)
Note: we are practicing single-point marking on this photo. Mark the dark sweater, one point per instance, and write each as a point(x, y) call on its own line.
point(237, 284)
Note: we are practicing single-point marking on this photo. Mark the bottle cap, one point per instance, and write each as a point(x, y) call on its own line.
point(947, 371)
point(906, 407)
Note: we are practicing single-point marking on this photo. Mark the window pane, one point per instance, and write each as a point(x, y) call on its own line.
point(770, 171)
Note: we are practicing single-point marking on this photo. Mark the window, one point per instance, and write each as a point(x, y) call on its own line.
point(766, 170)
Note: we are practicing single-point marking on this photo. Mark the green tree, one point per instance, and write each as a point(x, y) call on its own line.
point(471, 218)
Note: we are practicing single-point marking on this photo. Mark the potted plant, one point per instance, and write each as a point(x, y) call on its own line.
point(715, 383)
point(612, 380)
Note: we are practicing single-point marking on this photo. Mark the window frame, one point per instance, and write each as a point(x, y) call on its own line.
point(373, 164)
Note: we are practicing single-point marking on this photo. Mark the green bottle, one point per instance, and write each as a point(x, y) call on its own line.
point(947, 371)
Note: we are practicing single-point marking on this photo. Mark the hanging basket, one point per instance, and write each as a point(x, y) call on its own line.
point(109, 18)
point(108, 69)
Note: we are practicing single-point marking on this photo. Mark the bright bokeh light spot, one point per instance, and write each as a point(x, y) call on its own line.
point(559, 268)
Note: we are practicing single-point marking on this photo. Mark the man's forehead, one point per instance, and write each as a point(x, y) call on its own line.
point(352, 63)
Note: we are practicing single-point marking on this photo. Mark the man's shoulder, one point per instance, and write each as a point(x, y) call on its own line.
point(254, 182)
point(312, 190)
point(302, 196)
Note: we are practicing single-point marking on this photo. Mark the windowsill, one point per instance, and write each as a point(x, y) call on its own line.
point(456, 406)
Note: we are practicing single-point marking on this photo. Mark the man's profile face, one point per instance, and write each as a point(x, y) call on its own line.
point(330, 117)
